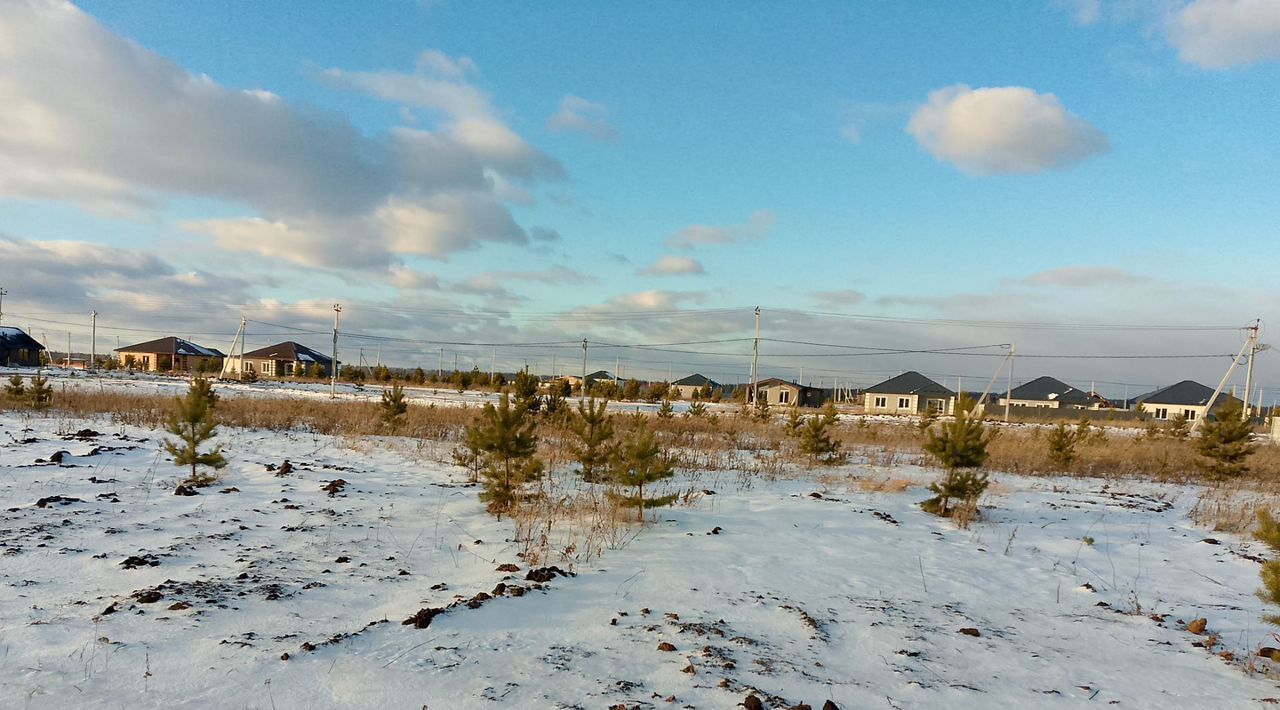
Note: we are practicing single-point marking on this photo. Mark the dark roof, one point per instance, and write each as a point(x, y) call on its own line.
point(289, 351)
point(909, 383)
point(696, 380)
point(1187, 392)
point(777, 381)
point(16, 339)
point(1048, 389)
point(601, 375)
point(171, 344)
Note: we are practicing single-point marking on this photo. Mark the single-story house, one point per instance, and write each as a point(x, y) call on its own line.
point(688, 386)
point(281, 360)
point(171, 354)
point(593, 378)
point(788, 394)
point(908, 393)
point(1188, 398)
point(17, 349)
point(1050, 393)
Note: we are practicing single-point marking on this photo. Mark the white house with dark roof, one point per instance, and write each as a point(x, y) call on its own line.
point(282, 360)
point(908, 393)
point(1050, 393)
point(1188, 398)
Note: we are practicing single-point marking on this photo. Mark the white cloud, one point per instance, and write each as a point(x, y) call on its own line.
point(1082, 277)
point(583, 116)
point(838, 298)
point(670, 265)
point(1216, 34)
point(757, 225)
point(316, 190)
point(1003, 130)
point(1084, 12)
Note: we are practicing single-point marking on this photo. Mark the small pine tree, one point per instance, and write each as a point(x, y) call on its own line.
point(705, 392)
point(697, 410)
point(393, 407)
point(193, 424)
point(960, 446)
point(815, 438)
point(1268, 532)
point(1225, 443)
point(553, 402)
point(927, 419)
point(794, 422)
point(631, 390)
point(40, 391)
point(1062, 446)
point(470, 454)
point(594, 429)
point(507, 438)
point(761, 410)
point(665, 410)
point(1179, 427)
point(526, 391)
point(418, 377)
point(641, 461)
point(15, 389)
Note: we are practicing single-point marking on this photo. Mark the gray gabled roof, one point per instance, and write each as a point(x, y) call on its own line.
point(1049, 389)
point(695, 380)
point(1186, 392)
point(171, 345)
point(909, 383)
point(16, 339)
point(289, 351)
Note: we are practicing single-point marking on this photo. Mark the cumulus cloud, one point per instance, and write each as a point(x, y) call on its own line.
point(1217, 34)
point(670, 265)
point(1003, 130)
point(318, 191)
point(757, 225)
point(581, 115)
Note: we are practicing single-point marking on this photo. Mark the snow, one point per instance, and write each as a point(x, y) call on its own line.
point(855, 595)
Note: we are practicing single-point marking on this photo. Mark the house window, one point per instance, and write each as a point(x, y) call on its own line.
point(882, 402)
point(784, 396)
point(904, 403)
point(1161, 413)
point(1190, 414)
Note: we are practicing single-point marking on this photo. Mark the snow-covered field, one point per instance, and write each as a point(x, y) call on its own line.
point(270, 592)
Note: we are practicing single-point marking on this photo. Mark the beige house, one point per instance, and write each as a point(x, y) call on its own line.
point(281, 360)
point(171, 354)
point(908, 393)
point(775, 391)
point(1187, 398)
point(693, 384)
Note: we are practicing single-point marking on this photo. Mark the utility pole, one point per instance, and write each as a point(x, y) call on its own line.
point(333, 365)
point(582, 393)
point(1248, 377)
point(68, 350)
point(493, 364)
point(93, 340)
point(1008, 393)
point(755, 359)
point(4, 293)
point(243, 333)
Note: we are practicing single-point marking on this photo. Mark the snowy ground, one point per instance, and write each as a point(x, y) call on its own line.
point(852, 596)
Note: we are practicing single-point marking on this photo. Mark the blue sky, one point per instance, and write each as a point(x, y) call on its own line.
point(851, 157)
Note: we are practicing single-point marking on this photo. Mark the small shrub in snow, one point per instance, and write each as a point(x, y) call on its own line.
point(697, 410)
point(595, 447)
point(506, 436)
point(960, 445)
point(1225, 443)
point(816, 441)
point(1268, 532)
point(193, 424)
point(640, 461)
point(526, 391)
point(665, 411)
point(40, 391)
point(15, 389)
point(1062, 445)
point(393, 407)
